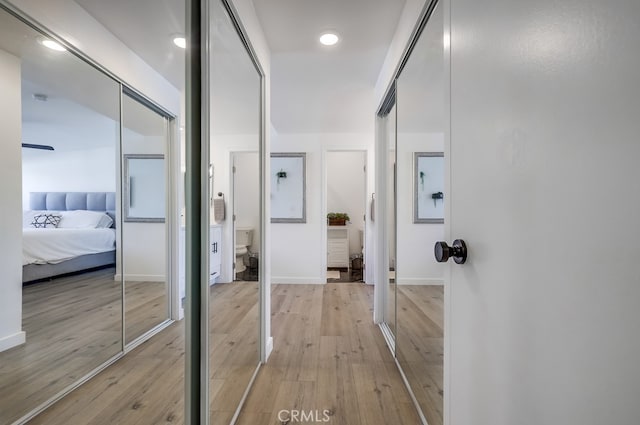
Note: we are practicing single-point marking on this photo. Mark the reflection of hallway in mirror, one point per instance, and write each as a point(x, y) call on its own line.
point(147, 385)
point(72, 325)
point(234, 345)
point(420, 345)
point(146, 307)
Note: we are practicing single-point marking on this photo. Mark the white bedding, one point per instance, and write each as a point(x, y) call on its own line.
point(52, 246)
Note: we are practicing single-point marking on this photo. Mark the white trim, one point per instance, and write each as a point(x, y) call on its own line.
point(141, 277)
point(269, 347)
point(407, 281)
point(11, 341)
point(288, 280)
point(381, 246)
point(423, 420)
point(448, 302)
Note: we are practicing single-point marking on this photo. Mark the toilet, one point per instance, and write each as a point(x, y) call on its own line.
point(244, 238)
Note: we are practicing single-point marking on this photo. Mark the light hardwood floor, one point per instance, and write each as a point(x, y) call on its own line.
point(146, 306)
point(327, 355)
point(73, 325)
point(420, 347)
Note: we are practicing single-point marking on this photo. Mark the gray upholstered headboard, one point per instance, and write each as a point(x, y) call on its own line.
point(67, 201)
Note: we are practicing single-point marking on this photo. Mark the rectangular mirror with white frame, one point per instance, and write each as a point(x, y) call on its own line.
point(428, 187)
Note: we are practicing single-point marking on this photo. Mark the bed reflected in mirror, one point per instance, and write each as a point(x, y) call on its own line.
point(63, 319)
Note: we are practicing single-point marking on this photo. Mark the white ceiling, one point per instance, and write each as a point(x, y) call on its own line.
point(146, 27)
point(326, 89)
point(420, 89)
point(314, 88)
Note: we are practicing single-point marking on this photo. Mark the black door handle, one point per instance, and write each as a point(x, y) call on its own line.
point(458, 251)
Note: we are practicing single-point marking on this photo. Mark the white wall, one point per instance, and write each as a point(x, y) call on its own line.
point(144, 244)
point(11, 333)
point(92, 170)
point(346, 191)
point(298, 250)
point(415, 263)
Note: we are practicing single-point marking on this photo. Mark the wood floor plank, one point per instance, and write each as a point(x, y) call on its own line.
point(356, 379)
point(342, 366)
point(420, 348)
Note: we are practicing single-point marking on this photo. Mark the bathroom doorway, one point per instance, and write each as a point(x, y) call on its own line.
point(346, 189)
point(245, 170)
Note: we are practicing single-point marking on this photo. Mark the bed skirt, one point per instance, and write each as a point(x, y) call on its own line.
point(33, 272)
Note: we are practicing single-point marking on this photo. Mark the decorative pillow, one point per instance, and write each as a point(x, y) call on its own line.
point(27, 217)
point(46, 220)
point(105, 222)
point(83, 219)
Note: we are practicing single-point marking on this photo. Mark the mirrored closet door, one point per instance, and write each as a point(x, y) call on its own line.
point(145, 136)
point(61, 123)
point(390, 207)
point(420, 194)
point(236, 215)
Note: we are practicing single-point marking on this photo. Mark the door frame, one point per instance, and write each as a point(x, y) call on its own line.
point(324, 209)
point(232, 205)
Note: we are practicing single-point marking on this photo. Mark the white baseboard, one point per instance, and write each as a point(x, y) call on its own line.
point(297, 280)
point(11, 341)
point(269, 347)
point(141, 277)
point(420, 281)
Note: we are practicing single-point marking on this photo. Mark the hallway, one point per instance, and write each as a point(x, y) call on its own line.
point(328, 355)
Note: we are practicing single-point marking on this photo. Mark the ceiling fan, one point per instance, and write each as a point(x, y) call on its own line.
point(35, 146)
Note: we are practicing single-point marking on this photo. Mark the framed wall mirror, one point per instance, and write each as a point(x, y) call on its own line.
point(144, 197)
point(288, 188)
point(428, 187)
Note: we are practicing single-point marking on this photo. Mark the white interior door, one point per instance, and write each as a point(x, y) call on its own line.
point(544, 147)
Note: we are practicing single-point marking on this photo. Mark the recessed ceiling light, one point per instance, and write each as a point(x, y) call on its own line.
point(329, 38)
point(180, 41)
point(53, 45)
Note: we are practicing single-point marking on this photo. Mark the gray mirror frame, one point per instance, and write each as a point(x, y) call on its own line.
point(126, 189)
point(416, 213)
point(302, 197)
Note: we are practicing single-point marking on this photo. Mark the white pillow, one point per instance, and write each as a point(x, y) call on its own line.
point(83, 219)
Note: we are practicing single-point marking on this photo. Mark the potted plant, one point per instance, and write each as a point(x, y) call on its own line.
point(337, 219)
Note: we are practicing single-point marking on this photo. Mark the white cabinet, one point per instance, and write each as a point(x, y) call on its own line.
point(215, 256)
point(337, 246)
point(215, 249)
